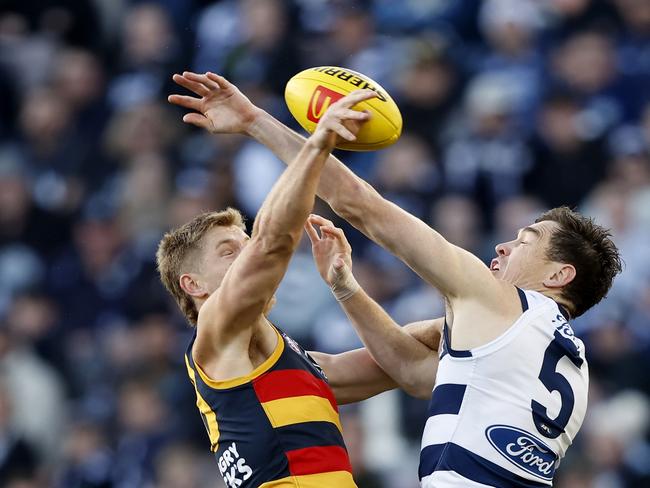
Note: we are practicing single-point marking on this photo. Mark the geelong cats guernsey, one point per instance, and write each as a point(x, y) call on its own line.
point(504, 414)
point(278, 427)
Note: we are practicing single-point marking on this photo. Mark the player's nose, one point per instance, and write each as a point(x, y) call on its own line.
point(502, 249)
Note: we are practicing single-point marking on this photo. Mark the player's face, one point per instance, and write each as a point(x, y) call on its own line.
point(220, 248)
point(523, 261)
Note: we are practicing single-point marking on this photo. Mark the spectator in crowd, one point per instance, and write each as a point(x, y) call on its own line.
point(633, 47)
point(18, 458)
point(510, 28)
point(487, 159)
point(408, 174)
point(568, 161)
point(87, 461)
point(29, 381)
point(428, 88)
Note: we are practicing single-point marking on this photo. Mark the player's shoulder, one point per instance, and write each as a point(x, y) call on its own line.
point(506, 300)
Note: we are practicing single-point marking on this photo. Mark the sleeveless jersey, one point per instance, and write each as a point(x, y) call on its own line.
point(503, 414)
point(277, 427)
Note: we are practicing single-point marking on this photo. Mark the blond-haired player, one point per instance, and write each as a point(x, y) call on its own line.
point(272, 419)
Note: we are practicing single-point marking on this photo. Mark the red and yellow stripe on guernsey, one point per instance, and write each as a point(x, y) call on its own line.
point(296, 396)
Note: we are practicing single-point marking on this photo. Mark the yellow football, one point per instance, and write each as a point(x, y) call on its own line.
point(309, 93)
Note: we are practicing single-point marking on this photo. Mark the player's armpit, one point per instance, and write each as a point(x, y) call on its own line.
point(428, 332)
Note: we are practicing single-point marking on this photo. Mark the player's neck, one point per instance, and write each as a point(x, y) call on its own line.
point(556, 296)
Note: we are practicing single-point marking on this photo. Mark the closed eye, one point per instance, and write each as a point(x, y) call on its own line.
point(225, 249)
point(527, 231)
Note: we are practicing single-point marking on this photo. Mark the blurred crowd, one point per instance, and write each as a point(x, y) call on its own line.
point(510, 107)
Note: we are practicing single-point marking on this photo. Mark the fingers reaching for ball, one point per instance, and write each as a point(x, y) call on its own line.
point(341, 122)
point(355, 97)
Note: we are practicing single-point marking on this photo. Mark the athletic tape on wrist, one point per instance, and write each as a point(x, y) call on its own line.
point(345, 286)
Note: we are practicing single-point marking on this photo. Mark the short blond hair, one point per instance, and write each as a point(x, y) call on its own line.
point(180, 245)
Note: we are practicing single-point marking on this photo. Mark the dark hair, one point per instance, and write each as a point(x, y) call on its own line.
point(587, 246)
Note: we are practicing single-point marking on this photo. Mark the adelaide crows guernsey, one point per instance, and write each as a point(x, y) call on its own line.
point(277, 427)
point(504, 414)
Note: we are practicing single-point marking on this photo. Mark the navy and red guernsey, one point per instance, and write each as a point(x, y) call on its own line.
point(277, 427)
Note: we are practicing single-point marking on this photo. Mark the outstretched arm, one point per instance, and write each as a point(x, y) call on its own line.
point(354, 376)
point(452, 270)
point(223, 109)
point(255, 274)
point(410, 362)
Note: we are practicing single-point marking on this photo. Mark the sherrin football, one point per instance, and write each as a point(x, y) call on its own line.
point(309, 93)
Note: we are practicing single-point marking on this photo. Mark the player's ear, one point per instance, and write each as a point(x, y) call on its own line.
point(191, 285)
point(562, 276)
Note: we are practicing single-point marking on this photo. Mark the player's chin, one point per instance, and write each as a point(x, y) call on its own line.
point(497, 273)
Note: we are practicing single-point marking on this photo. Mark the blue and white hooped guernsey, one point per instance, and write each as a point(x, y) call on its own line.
point(504, 414)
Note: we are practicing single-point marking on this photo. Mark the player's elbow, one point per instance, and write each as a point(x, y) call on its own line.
point(418, 389)
point(275, 244)
point(417, 379)
point(423, 391)
point(356, 202)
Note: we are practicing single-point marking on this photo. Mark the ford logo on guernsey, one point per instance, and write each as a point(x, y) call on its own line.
point(523, 449)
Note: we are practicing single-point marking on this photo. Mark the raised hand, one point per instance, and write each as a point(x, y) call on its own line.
point(219, 106)
point(340, 122)
point(331, 250)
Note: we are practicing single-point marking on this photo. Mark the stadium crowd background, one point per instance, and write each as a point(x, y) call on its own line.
point(509, 106)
